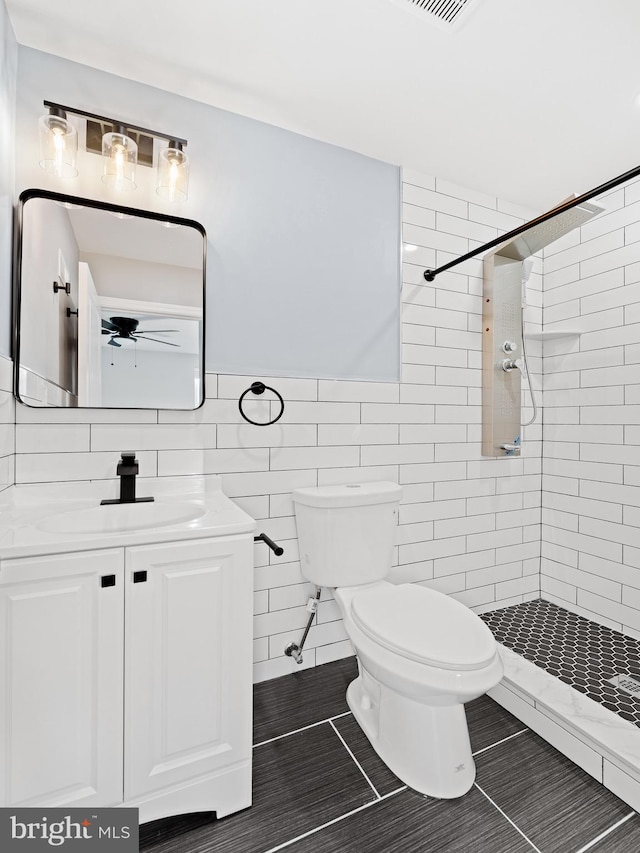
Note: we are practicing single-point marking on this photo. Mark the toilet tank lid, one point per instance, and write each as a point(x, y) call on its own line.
point(349, 494)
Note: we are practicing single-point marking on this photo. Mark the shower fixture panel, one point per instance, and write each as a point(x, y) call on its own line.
point(506, 270)
point(501, 353)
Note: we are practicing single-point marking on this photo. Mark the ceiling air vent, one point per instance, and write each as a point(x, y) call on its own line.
point(447, 14)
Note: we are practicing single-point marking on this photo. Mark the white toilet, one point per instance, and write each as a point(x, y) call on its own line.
point(421, 654)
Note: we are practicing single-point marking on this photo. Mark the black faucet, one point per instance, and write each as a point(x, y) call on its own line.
point(127, 470)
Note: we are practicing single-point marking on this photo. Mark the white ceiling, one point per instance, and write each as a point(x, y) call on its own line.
point(528, 100)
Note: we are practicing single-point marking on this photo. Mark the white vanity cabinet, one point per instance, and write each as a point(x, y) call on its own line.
point(61, 679)
point(188, 674)
point(126, 677)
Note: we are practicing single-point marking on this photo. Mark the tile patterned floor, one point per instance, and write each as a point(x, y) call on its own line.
point(579, 652)
point(319, 787)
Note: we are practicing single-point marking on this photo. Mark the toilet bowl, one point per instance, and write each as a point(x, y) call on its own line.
point(421, 654)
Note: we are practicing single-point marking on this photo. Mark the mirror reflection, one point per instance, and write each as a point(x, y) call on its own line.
point(110, 306)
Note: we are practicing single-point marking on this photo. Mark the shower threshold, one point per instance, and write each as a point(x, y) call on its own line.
point(571, 680)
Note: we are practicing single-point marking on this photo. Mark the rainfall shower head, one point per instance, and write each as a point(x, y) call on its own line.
point(539, 236)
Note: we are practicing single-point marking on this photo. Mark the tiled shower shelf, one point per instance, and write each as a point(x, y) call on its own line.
point(553, 334)
point(555, 661)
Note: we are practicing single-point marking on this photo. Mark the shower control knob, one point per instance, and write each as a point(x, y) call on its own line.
point(509, 364)
point(509, 346)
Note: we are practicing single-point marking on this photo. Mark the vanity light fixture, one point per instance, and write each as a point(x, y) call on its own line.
point(123, 147)
point(58, 143)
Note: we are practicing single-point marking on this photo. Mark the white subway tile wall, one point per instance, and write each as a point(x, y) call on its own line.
point(591, 468)
point(468, 526)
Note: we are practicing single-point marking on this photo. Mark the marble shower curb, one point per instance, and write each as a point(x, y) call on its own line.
point(602, 743)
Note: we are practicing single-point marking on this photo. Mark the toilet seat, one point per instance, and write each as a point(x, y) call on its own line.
point(423, 625)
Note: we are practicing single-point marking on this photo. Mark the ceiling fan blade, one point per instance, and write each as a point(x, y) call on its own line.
point(107, 324)
point(154, 331)
point(157, 340)
point(113, 343)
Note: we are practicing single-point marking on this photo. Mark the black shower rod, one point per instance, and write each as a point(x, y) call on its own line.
point(567, 205)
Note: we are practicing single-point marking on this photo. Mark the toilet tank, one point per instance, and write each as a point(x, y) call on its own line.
point(346, 533)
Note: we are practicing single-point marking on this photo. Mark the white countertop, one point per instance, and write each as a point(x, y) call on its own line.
point(46, 519)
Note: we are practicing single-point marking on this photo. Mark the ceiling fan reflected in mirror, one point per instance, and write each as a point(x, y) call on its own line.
point(126, 329)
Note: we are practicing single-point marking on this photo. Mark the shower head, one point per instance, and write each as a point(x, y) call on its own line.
point(539, 236)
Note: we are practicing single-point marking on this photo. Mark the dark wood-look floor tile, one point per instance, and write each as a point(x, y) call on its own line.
point(383, 780)
point(302, 698)
point(409, 823)
point(555, 803)
point(299, 782)
point(489, 723)
point(624, 839)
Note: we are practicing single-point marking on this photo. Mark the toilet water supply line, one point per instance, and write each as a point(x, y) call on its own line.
point(293, 650)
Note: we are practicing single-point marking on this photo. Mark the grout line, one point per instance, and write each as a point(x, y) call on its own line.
point(357, 763)
point(336, 820)
point(604, 834)
point(498, 742)
point(506, 817)
point(302, 729)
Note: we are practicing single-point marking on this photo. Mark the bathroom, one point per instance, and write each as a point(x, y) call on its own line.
point(556, 522)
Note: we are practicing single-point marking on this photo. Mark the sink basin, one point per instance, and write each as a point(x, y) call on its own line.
point(119, 517)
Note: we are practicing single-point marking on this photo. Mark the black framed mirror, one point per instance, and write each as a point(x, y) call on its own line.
point(109, 305)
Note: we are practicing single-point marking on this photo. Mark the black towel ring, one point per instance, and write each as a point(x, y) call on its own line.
point(260, 388)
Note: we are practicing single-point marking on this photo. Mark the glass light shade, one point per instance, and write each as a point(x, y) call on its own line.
point(173, 174)
point(58, 146)
point(120, 155)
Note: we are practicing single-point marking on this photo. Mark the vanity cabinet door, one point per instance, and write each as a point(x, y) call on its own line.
point(61, 647)
point(188, 684)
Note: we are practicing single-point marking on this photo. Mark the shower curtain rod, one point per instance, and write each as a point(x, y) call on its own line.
point(567, 205)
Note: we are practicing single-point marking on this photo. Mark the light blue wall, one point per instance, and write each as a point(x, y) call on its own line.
point(303, 237)
point(8, 73)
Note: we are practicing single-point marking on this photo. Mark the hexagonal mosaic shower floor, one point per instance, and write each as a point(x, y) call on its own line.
point(574, 649)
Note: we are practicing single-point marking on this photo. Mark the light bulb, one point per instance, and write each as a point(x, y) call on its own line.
point(173, 173)
point(120, 155)
point(58, 144)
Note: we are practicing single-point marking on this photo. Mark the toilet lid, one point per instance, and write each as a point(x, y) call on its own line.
point(424, 625)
